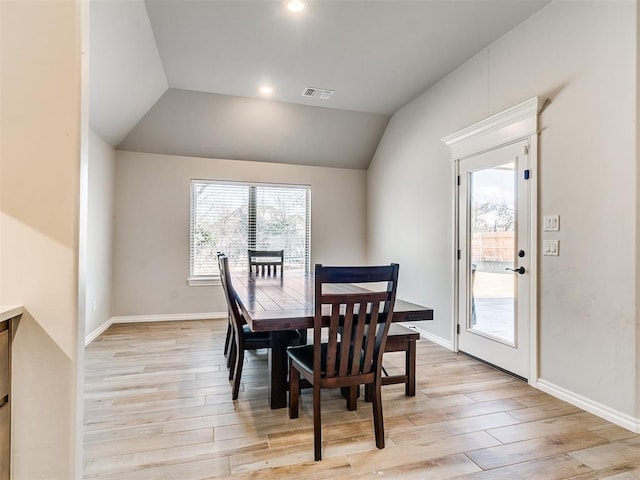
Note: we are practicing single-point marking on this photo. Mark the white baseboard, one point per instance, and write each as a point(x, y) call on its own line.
point(431, 337)
point(97, 332)
point(602, 411)
point(152, 318)
point(172, 317)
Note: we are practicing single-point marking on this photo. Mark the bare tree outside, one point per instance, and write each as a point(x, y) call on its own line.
point(493, 216)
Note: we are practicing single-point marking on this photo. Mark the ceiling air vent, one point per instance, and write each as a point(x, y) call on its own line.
point(313, 92)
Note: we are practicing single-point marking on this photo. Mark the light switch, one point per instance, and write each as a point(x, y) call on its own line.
point(551, 247)
point(552, 223)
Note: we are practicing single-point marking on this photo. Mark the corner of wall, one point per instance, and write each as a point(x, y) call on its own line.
point(637, 209)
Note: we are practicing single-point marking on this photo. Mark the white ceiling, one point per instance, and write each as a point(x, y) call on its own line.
point(377, 55)
point(126, 76)
point(196, 124)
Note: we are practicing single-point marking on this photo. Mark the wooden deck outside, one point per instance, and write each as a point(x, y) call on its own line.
point(158, 406)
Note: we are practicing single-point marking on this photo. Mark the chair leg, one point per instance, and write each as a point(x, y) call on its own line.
point(232, 350)
point(378, 420)
point(352, 397)
point(303, 336)
point(368, 392)
point(231, 358)
point(228, 338)
point(410, 369)
point(237, 373)
point(317, 426)
point(294, 391)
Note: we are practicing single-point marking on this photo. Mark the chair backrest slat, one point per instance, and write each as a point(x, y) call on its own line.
point(358, 335)
point(332, 344)
point(345, 344)
point(372, 340)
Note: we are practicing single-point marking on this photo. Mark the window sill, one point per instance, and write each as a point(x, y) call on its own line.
point(203, 281)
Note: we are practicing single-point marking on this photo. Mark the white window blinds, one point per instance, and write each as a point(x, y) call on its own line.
point(233, 217)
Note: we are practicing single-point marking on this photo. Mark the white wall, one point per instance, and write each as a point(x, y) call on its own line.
point(581, 55)
point(409, 191)
point(151, 257)
point(127, 75)
point(100, 212)
point(39, 193)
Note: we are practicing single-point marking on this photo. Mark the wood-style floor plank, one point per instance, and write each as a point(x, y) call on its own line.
point(518, 452)
point(158, 406)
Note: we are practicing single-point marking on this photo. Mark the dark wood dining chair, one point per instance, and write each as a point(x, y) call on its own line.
point(265, 262)
point(345, 361)
point(242, 337)
point(229, 334)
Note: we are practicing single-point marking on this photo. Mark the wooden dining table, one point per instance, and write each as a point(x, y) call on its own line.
point(276, 304)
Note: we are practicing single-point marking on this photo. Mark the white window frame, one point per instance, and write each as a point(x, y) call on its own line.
point(203, 280)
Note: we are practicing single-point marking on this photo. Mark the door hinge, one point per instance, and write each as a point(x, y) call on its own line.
point(526, 149)
point(458, 329)
point(459, 254)
point(527, 174)
point(458, 180)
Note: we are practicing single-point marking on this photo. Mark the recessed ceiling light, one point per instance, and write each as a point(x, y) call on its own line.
point(296, 6)
point(266, 90)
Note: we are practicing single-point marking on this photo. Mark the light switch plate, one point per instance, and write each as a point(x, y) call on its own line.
point(551, 247)
point(552, 223)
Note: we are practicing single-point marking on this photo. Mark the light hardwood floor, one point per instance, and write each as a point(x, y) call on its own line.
point(158, 406)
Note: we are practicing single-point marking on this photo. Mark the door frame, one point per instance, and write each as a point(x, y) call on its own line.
point(520, 122)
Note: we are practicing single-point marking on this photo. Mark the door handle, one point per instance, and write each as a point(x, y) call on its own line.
point(520, 270)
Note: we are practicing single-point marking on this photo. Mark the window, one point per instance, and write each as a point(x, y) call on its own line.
point(233, 217)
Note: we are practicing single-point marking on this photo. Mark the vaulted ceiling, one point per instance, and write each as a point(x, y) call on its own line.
point(182, 76)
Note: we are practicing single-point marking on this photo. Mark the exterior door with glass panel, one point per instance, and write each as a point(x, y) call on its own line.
point(494, 257)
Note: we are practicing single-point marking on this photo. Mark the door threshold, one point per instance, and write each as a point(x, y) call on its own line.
point(514, 375)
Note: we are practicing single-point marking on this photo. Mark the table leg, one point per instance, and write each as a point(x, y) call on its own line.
point(279, 369)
